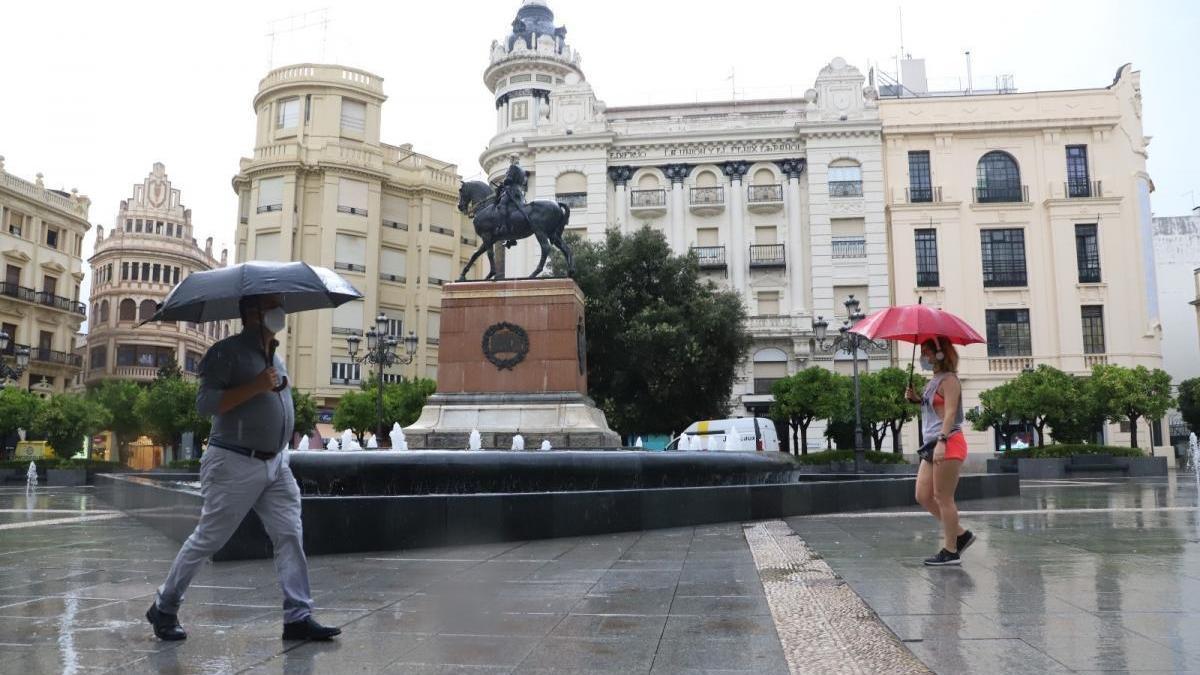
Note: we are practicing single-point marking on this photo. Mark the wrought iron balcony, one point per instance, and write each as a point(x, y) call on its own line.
point(42, 298)
point(1082, 189)
point(849, 247)
point(352, 210)
point(51, 356)
point(767, 255)
point(845, 188)
point(918, 194)
point(575, 200)
point(764, 198)
point(707, 200)
point(1000, 194)
point(639, 199)
point(351, 267)
point(710, 257)
point(18, 292)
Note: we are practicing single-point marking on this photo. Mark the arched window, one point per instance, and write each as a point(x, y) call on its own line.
point(146, 310)
point(648, 181)
point(127, 310)
point(104, 311)
point(845, 178)
point(706, 179)
point(763, 177)
point(997, 179)
point(571, 189)
point(770, 366)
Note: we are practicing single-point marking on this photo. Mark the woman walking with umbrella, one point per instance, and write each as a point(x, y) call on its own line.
point(945, 446)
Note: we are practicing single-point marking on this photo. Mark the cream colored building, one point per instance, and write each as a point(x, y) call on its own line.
point(781, 200)
point(1028, 214)
point(42, 244)
point(149, 250)
point(322, 188)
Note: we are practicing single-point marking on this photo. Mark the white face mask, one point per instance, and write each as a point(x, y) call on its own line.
point(925, 363)
point(274, 319)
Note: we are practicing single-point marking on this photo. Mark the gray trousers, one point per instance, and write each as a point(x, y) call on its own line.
point(231, 485)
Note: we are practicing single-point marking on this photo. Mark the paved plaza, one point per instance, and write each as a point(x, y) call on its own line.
point(1071, 576)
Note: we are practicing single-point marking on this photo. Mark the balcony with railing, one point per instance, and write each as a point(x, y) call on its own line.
point(767, 256)
point(42, 298)
point(350, 267)
point(777, 325)
point(764, 198)
point(923, 194)
point(1001, 194)
point(849, 247)
point(841, 189)
point(1009, 364)
point(40, 355)
point(710, 257)
point(574, 200)
point(1083, 189)
point(706, 201)
point(648, 202)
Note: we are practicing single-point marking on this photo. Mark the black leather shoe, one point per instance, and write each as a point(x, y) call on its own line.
point(166, 626)
point(309, 629)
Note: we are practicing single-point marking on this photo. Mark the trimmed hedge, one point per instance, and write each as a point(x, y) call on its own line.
point(1064, 450)
point(830, 456)
point(56, 463)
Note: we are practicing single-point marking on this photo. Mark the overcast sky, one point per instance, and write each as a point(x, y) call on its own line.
point(96, 92)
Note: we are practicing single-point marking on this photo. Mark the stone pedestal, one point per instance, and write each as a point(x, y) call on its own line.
point(511, 360)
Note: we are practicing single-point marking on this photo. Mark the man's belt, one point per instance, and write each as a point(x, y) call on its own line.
point(255, 454)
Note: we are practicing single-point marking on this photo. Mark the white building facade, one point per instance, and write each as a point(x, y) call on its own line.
point(781, 200)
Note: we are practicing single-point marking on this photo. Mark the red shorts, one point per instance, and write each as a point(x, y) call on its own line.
point(956, 446)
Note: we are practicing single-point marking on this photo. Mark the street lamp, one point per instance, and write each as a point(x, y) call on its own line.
point(852, 344)
point(21, 353)
point(381, 351)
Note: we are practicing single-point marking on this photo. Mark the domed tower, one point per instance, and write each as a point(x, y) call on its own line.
point(529, 64)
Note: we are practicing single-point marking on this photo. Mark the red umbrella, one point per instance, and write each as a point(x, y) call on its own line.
point(916, 324)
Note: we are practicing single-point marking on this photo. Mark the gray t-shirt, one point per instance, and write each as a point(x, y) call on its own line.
point(264, 423)
point(931, 422)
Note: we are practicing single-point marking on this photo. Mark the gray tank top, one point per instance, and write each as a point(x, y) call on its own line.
point(931, 422)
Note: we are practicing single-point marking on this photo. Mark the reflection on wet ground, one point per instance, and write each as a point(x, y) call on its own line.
point(1097, 575)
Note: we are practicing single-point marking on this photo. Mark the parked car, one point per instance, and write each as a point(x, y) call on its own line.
point(735, 434)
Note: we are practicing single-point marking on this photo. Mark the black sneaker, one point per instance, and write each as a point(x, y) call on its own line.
point(964, 540)
point(943, 558)
point(166, 626)
point(308, 629)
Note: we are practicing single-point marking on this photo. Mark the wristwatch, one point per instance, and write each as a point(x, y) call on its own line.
point(942, 437)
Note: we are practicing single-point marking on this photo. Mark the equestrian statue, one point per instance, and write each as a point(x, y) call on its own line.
point(500, 214)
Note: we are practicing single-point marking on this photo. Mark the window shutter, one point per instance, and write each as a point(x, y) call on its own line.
point(266, 246)
point(393, 262)
point(354, 115)
point(352, 196)
point(766, 235)
point(350, 249)
point(349, 316)
point(439, 266)
point(707, 236)
point(395, 209)
point(270, 194)
point(434, 325)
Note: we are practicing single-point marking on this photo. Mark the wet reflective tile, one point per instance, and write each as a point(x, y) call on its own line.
point(592, 654)
point(470, 650)
point(609, 626)
point(698, 652)
point(999, 657)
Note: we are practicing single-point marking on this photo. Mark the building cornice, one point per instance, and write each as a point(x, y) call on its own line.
point(997, 126)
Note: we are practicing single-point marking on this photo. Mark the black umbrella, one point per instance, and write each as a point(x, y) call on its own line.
point(214, 295)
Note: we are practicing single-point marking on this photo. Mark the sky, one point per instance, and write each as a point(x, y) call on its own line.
point(96, 92)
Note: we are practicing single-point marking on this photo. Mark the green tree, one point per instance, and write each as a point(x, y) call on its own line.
point(663, 345)
point(900, 410)
point(402, 402)
point(66, 420)
point(18, 409)
point(170, 370)
point(997, 410)
point(1129, 394)
point(304, 409)
point(356, 411)
point(120, 398)
point(168, 409)
point(1189, 403)
point(1082, 418)
point(812, 394)
point(1042, 395)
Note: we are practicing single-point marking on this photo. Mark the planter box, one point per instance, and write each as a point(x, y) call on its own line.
point(1145, 466)
point(66, 477)
point(1080, 466)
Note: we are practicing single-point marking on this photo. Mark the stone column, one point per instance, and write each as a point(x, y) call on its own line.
point(738, 244)
point(797, 257)
point(677, 173)
point(620, 175)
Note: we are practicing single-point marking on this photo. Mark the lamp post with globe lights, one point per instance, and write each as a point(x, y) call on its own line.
point(851, 343)
point(20, 357)
point(381, 351)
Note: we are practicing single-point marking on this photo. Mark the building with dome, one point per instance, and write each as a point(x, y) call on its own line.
point(149, 249)
point(781, 200)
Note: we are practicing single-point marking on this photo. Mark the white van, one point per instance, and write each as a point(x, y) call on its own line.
point(736, 434)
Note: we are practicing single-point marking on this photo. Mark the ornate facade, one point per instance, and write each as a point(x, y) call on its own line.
point(134, 267)
point(780, 200)
point(322, 188)
point(42, 245)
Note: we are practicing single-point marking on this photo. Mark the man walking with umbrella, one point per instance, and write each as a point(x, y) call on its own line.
point(243, 386)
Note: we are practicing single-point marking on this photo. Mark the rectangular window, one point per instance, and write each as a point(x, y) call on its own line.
point(519, 111)
point(393, 264)
point(766, 235)
point(137, 225)
point(155, 273)
point(98, 358)
point(289, 113)
point(124, 271)
point(395, 211)
point(707, 236)
point(270, 194)
point(50, 285)
point(920, 187)
point(1008, 332)
point(12, 278)
point(170, 229)
point(108, 273)
point(352, 197)
point(191, 361)
point(1003, 257)
point(1093, 329)
point(11, 330)
point(350, 252)
point(354, 116)
point(307, 108)
point(433, 328)
point(348, 318)
point(344, 373)
point(927, 258)
point(1078, 183)
point(145, 271)
point(52, 237)
point(175, 275)
point(158, 227)
point(126, 355)
point(1087, 254)
point(129, 224)
point(768, 303)
point(440, 267)
point(267, 246)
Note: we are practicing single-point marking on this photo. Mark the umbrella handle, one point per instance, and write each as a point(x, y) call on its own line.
point(282, 385)
point(271, 362)
point(911, 363)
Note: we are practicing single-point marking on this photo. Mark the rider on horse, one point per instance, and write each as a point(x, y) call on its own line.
point(511, 197)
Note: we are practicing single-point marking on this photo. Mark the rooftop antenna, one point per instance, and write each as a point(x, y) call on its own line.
point(732, 84)
point(296, 23)
point(970, 85)
point(900, 56)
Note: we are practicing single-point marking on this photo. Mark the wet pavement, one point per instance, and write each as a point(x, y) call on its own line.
point(1084, 576)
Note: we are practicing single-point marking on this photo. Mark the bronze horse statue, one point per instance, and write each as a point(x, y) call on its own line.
point(543, 219)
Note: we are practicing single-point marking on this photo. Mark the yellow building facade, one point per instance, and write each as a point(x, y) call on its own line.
point(1027, 214)
point(322, 188)
point(42, 245)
